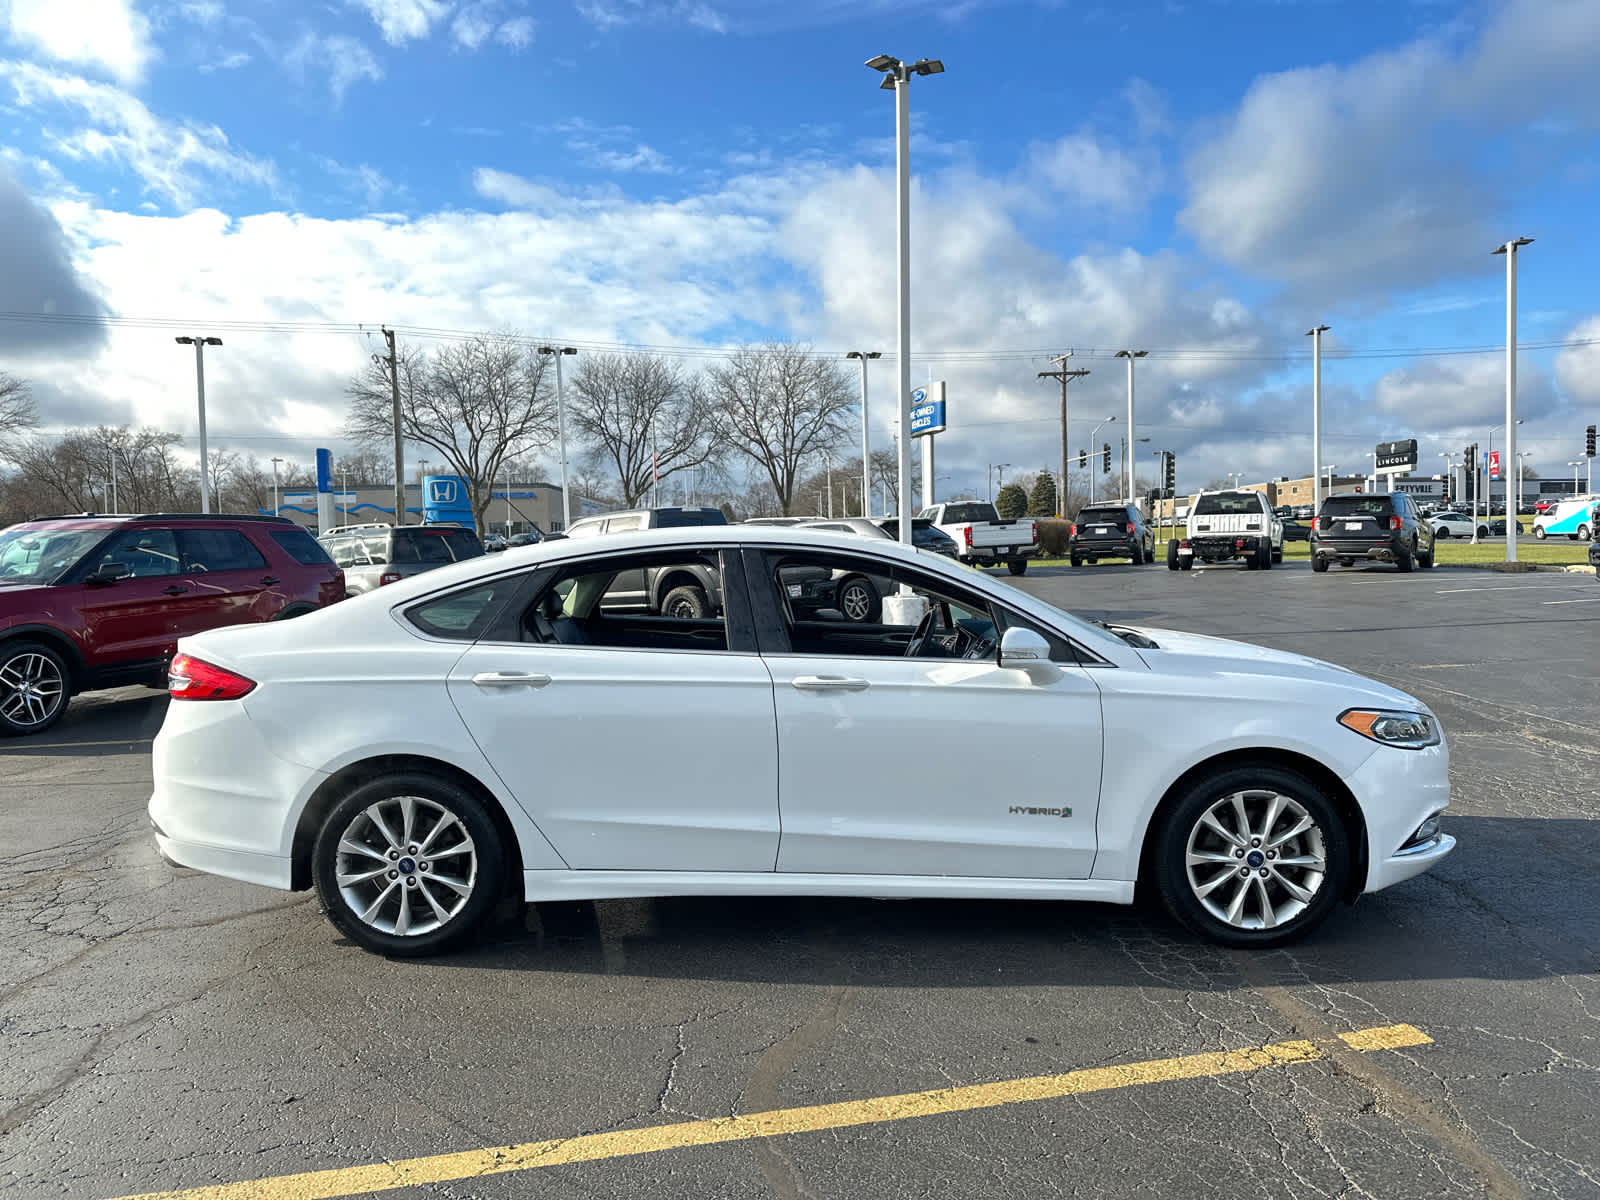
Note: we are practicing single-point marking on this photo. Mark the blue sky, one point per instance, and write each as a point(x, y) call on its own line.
point(1204, 179)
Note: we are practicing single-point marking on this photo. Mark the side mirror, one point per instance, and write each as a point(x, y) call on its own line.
point(1024, 650)
point(109, 573)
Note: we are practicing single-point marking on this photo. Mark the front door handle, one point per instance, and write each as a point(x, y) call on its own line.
point(173, 591)
point(508, 679)
point(830, 683)
point(269, 580)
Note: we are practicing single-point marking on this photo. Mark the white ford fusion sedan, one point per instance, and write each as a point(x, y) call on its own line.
point(547, 724)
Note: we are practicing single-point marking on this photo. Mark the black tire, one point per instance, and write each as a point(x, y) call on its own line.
point(1538, 532)
point(858, 601)
point(1425, 561)
point(1076, 561)
point(1172, 555)
point(1264, 553)
point(1319, 563)
point(1405, 559)
point(688, 602)
point(483, 877)
point(1181, 830)
point(1186, 564)
point(1583, 533)
point(35, 688)
point(1252, 561)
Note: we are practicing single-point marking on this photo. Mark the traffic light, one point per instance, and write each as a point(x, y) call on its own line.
point(1450, 486)
point(1169, 472)
point(1083, 460)
point(1105, 468)
point(1471, 458)
point(1589, 441)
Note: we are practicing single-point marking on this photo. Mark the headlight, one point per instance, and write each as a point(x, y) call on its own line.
point(1408, 730)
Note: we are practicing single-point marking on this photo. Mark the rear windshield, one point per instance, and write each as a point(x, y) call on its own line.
point(1357, 506)
point(435, 545)
point(1094, 515)
point(302, 547)
point(1226, 504)
point(958, 514)
point(677, 518)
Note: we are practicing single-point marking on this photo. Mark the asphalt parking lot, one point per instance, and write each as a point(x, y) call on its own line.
point(169, 1033)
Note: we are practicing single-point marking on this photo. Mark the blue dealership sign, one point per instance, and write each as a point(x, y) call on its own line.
point(927, 410)
point(446, 500)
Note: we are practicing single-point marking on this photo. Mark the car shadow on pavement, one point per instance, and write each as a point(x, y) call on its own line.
point(96, 723)
point(1473, 917)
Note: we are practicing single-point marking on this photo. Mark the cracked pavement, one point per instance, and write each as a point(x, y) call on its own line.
point(164, 1029)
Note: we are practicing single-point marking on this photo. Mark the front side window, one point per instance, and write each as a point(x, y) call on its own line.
point(147, 553)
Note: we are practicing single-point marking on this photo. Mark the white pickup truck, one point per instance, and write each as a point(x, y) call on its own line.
point(982, 538)
point(1224, 526)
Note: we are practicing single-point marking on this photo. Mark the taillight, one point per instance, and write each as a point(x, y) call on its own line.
point(389, 577)
point(1394, 522)
point(1324, 523)
point(190, 678)
point(1072, 530)
point(966, 533)
point(1130, 526)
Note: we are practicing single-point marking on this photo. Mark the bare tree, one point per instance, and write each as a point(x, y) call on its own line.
point(17, 410)
point(365, 467)
point(476, 402)
point(782, 406)
point(73, 473)
point(643, 416)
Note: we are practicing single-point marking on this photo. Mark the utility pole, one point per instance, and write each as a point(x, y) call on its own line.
point(399, 442)
point(277, 504)
point(1063, 375)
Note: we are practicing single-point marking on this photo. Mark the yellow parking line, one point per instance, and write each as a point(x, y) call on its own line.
point(498, 1160)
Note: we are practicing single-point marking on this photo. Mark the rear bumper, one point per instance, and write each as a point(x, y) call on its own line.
point(1115, 548)
point(996, 553)
point(1381, 550)
point(1226, 545)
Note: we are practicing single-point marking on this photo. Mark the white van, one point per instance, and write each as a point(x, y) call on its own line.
point(1574, 517)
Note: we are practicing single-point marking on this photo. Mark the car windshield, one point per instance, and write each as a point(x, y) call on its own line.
point(1227, 504)
point(43, 555)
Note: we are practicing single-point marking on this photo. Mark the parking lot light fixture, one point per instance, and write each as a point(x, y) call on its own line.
point(1315, 334)
point(561, 431)
point(1509, 249)
point(1094, 437)
point(1131, 448)
point(897, 78)
point(200, 342)
point(866, 448)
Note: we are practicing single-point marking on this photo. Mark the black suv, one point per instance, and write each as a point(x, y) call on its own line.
point(1374, 528)
point(1110, 531)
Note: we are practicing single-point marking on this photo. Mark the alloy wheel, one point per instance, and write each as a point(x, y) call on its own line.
point(32, 690)
point(855, 602)
point(1256, 859)
point(406, 866)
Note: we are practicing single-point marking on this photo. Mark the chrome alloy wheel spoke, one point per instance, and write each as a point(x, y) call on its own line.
point(1271, 849)
point(31, 689)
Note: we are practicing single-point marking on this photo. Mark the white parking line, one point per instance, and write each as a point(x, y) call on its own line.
point(1592, 600)
point(1514, 587)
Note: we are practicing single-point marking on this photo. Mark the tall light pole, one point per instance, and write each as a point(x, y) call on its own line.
point(200, 342)
point(866, 448)
point(1131, 449)
point(1330, 468)
point(1509, 249)
point(1000, 468)
point(1488, 488)
point(561, 430)
point(1093, 489)
point(277, 504)
point(1315, 334)
point(1063, 375)
point(897, 78)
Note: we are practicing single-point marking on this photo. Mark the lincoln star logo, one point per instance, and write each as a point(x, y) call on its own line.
point(1027, 811)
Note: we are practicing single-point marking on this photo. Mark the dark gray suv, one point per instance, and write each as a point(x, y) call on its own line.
point(688, 591)
point(1371, 528)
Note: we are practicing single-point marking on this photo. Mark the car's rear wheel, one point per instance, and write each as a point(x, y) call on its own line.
point(1018, 566)
point(1441, 532)
point(1583, 533)
point(858, 600)
point(1172, 555)
point(408, 864)
point(35, 686)
point(686, 603)
point(1253, 856)
point(1186, 564)
point(1076, 561)
point(1405, 557)
point(1319, 563)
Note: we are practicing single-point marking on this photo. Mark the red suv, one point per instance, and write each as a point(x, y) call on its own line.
point(95, 602)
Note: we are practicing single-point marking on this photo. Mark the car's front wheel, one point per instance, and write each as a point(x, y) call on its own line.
point(1252, 856)
point(858, 600)
point(408, 864)
point(34, 688)
point(1538, 532)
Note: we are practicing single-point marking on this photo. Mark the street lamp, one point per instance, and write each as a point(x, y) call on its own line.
point(1575, 465)
point(1488, 506)
point(897, 78)
point(200, 342)
point(1509, 249)
point(1001, 468)
point(1093, 490)
point(277, 505)
point(1129, 450)
point(866, 449)
point(1329, 469)
point(1315, 334)
point(1236, 476)
point(561, 430)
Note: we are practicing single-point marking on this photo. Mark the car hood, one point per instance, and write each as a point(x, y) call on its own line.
point(1200, 654)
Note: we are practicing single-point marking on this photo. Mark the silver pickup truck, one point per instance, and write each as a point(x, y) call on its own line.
point(982, 539)
point(1234, 526)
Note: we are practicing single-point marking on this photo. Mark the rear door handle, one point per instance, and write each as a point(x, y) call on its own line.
point(270, 580)
point(173, 591)
point(830, 683)
point(510, 679)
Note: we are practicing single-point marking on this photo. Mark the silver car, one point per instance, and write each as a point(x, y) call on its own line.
point(374, 555)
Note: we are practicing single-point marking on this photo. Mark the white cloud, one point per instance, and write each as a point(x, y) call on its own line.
point(1093, 175)
point(228, 62)
point(606, 15)
point(345, 61)
point(517, 33)
point(1464, 394)
point(169, 157)
point(1578, 368)
point(109, 36)
point(402, 21)
point(478, 22)
point(611, 148)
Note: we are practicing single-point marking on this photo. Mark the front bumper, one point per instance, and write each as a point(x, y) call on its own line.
point(1399, 790)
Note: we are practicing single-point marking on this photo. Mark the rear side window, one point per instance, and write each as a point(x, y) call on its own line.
point(433, 546)
point(1357, 506)
point(302, 547)
point(1224, 504)
point(679, 518)
point(626, 524)
point(463, 616)
point(211, 550)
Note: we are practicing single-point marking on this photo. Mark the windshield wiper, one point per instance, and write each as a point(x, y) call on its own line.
point(1135, 639)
